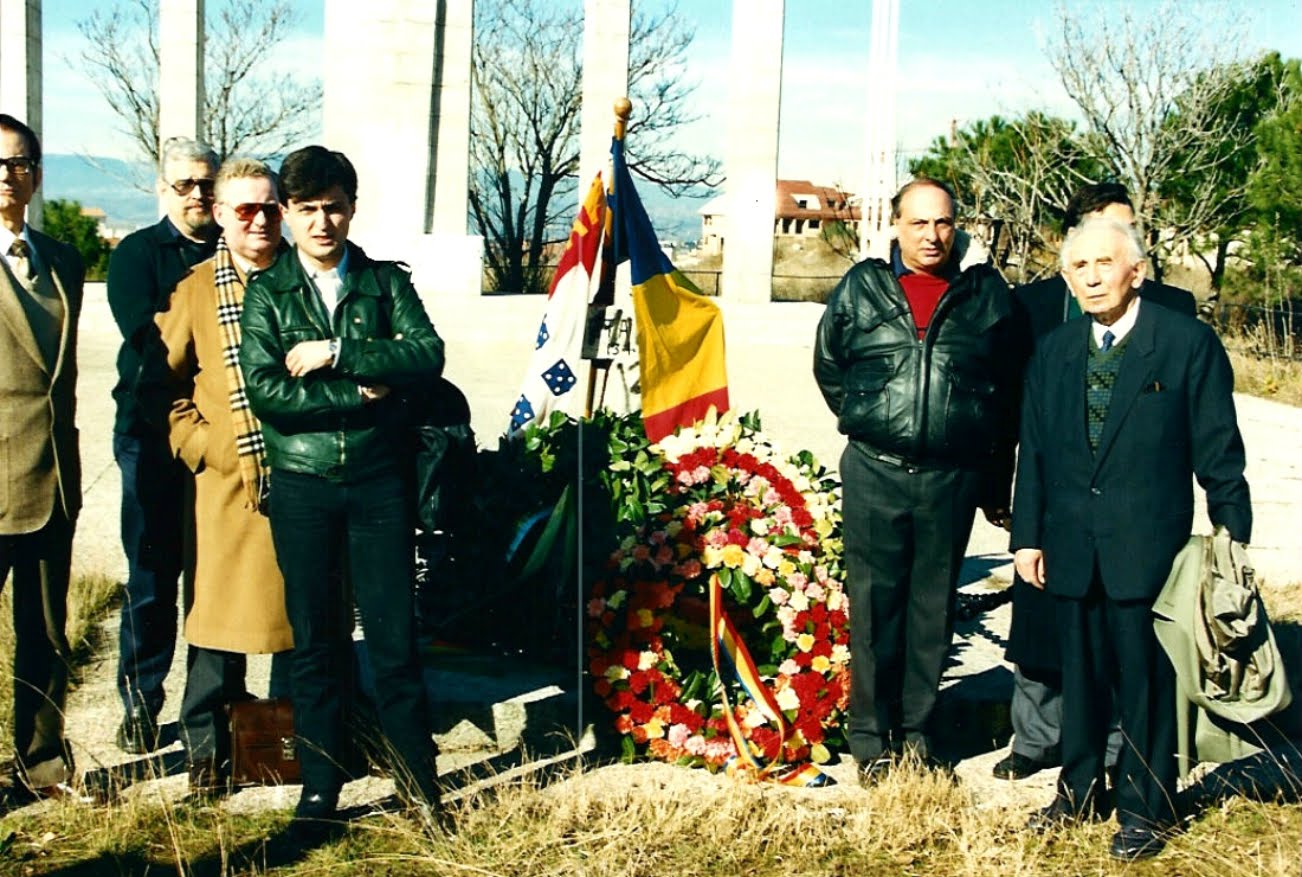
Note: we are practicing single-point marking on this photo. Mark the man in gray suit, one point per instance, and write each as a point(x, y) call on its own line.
point(40, 469)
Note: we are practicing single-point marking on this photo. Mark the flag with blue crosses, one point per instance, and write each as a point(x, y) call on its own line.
point(552, 376)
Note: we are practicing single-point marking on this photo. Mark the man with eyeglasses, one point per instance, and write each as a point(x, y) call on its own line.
point(143, 271)
point(238, 601)
point(40, 468)
point(328, 331)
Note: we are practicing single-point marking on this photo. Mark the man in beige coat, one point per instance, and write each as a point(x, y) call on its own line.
point(40, 467)
point(238, 604)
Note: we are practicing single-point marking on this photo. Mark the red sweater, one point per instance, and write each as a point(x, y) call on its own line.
point(923, 292)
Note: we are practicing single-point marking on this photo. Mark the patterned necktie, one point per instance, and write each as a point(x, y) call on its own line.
point(20, 259)
point(1108, 338)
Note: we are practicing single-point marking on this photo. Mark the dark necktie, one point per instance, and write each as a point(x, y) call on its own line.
point(20, 259)
point(1108, 338)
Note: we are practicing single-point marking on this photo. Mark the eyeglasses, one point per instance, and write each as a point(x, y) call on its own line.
point(184, 187)
point(18, 165)
point(247, 211)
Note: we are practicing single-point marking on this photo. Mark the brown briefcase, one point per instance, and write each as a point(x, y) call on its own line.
point(263, 748)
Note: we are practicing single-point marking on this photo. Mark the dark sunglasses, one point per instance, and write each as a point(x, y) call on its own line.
point(245, 212)
point(18, 165)
point(184, 187)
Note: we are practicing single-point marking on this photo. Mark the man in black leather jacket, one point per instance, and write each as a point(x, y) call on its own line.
point(921, 360)
point(327, 333)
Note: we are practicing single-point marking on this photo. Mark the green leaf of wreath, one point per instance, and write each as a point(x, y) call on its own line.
point(741, 586)
point(762, 607)
point(725, 578)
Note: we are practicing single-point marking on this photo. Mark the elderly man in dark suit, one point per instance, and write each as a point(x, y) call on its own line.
point(1119, 412)
point(40, 470)
point(1036, 709)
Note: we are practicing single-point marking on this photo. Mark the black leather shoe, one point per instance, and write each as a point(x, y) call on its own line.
point(1016, 766)
point(1059, 814)
point(138, 733)
point(316, 805)
point(207, 780)
point(874, 771)
point(1132, 842)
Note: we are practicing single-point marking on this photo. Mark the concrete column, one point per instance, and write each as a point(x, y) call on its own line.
point(454, 43)
point(605, 78)
point(751, 154)
point(180, 81)
point(20, 72)
point(879, 177)
point(402, 117)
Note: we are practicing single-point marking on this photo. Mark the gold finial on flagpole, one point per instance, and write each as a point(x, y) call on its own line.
point(623, 109)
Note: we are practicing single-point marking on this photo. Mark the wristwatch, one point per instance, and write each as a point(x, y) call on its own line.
point(334, 350)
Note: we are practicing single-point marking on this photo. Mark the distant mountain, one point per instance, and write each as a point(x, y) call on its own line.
point(106, 183)
point(112, 185)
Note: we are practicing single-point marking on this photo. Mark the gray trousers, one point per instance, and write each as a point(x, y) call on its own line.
point(1037, 718)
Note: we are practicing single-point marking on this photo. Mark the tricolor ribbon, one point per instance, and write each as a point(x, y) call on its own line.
point(727, 649)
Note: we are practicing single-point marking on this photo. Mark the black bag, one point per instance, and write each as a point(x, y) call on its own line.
point(438, 417)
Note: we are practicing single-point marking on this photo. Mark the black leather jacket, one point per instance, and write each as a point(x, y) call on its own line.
point(318, 424)
point(951, 398)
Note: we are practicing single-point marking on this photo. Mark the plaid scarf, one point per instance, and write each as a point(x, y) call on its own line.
point(249, 444)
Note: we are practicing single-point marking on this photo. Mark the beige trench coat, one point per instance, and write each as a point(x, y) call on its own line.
point(239, 596)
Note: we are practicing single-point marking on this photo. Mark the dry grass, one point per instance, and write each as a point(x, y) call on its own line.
point(1277, 379)
point(650, 821)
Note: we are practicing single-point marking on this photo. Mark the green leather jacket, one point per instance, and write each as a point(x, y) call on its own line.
point(318, 424)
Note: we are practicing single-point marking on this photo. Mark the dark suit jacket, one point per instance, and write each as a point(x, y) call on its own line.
point(1128, 508)
point(40, 462)
point(143, 271)
point(1044, 304)
point(1046, 301)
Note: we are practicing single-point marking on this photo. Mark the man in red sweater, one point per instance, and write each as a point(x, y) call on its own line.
point(921, 360)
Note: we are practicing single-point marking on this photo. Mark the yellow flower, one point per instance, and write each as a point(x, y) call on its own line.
point(805, 642)
point(765, 578)
point(712, 557)
point(818, 754)
point(786, 568)
point(644, 617)
point(820, 664)
point(654, 728)
point(733, 555)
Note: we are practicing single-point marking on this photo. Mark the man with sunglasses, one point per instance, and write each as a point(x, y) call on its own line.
point(238, 602)
point(143, 271)
point(328, 332)
point(40, 471)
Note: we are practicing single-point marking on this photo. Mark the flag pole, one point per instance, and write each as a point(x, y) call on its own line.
point(605, 292)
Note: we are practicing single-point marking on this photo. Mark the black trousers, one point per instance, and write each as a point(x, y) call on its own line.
point(906, 531)
point(215, 679)
point(153, 539)
point(1109, 646)
point(312, 521)
point(41, 563)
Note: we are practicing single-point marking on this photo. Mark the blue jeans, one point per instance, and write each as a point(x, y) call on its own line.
point(316, 524)
point(153, 533)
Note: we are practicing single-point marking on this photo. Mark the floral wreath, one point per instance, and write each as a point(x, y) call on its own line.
point(767, 528)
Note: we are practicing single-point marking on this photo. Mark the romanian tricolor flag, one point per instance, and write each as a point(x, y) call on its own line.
point(679, 330)
point(553, 375)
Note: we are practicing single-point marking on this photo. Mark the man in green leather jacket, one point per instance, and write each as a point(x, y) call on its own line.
point(328, 334)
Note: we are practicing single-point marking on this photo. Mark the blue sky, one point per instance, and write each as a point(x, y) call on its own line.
point(957, 60)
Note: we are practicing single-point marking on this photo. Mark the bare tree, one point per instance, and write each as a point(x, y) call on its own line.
point(1151, 83)
point(1014, 179)
point(524, 152)
point(247, 108)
